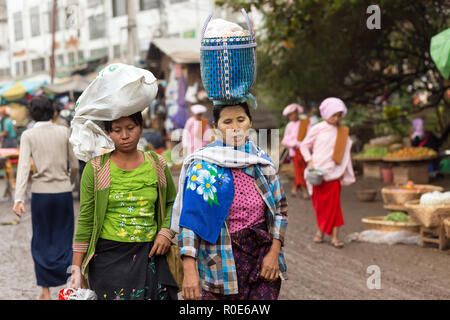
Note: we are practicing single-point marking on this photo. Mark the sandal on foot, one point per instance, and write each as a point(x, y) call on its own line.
point(318, 239)
point(337, 244)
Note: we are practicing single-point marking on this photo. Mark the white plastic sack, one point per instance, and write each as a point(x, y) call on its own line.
point(82, 294)
point(221, 28)
point(378, 236)
point(118, 91)
point(435, 198)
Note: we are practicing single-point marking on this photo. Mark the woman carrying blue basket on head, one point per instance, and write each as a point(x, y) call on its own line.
point(231, 210)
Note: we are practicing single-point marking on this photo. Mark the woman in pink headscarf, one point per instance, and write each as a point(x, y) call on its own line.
point(294, 133)
point(196, 132)
point(327, 146)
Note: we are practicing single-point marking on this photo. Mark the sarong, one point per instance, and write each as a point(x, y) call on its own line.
point(327, 205)
point(123, 271)
point(299, 169)
point(250, 246)
point(52, 222)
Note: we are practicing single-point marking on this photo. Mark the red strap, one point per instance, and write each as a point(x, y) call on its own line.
point(425, 140)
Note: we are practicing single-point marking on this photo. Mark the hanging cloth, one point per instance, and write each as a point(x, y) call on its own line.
point(303, 128)
point(340, 144)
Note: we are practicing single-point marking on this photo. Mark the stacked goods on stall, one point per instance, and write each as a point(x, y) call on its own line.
point(431, 209)
point(395, 197)
point(372, 156)
point(411, 163)
point(373, 152)
point(411, 154)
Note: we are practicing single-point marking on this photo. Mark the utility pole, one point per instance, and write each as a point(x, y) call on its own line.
point(163, 27)
point(52, 58)
point(132, 32)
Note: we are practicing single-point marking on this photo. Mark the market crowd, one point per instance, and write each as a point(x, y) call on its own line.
point(220, 234)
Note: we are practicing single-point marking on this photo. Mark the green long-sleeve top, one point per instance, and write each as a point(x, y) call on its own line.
point(94, 196)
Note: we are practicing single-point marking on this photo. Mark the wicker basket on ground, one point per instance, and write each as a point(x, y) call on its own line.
point(447, 227)
point(395, 197)
point(378, 223)
point(366, 195)
point(429, 216)
point(287, 169)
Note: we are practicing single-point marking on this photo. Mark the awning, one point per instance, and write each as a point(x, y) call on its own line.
point(76, 84)
point(19, 88)
point(180, 50)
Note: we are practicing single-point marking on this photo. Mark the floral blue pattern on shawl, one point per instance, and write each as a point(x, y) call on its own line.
point(209, 192)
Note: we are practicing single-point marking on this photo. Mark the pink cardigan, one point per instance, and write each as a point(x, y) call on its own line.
point(318, 146)
point(290, 137)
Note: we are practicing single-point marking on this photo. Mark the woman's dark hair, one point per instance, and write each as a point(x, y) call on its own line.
point(136, 117)
point(218, 109)
point(41, 108)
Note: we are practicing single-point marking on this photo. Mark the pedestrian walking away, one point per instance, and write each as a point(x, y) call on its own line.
point(48, 146)
point(327, 146)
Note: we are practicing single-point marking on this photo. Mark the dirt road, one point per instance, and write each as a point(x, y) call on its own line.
point(316, 271)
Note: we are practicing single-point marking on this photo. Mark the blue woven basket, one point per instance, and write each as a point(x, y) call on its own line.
point(228, 66)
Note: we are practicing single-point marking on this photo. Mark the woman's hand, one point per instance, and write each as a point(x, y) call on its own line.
point(310, 164)
point(191, 288)
point(270, 266)
point(19, 208)
point(77, 280)
point(161, 246)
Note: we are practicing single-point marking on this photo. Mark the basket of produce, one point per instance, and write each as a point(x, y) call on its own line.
point(372, 154)
point(431, 209)
point(395, 221)
point(447, 227)
point(367, 195)
point(411, 154)
point(395, 197)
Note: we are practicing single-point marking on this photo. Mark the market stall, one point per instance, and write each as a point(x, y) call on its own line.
point(16, 90)
point(411, 164)
point(431, 211)
point(372, 157)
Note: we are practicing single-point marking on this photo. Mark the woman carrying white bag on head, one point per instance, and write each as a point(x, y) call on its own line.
point(122, 234)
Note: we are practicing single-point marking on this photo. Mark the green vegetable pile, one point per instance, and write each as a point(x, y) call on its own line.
point(397, 216)
point(375, 152)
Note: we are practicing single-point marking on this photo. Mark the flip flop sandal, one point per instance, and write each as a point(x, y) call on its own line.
point(337, 244)
point(318, 239)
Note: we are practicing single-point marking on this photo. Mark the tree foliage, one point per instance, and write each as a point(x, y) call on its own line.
point(311, 49)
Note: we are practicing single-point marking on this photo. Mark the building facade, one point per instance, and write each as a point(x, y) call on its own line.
point(90, 29)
